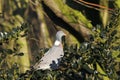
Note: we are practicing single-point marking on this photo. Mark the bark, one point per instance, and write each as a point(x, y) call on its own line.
point(74, 28)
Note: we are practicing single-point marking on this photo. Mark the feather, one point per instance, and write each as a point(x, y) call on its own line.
point(52, 57)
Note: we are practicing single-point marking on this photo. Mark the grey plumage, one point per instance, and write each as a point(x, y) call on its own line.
point(52, 57)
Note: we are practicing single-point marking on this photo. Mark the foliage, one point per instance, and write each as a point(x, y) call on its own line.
point(15, 33)
point(93, 60)
point(9, 70)
point(97, 59)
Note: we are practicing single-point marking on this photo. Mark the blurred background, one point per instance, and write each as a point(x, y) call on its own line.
point(77, 18)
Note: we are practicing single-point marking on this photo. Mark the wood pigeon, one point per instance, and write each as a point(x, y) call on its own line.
point(52, 57)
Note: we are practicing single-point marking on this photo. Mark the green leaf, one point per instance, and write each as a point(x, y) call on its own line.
point(19, 54)
point(9, 51)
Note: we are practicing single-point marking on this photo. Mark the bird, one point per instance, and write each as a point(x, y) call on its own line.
point(51, 59)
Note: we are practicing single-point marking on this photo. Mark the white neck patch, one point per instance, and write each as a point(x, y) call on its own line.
point(57, 43)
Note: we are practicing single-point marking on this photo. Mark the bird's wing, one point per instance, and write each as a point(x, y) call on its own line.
point(54, 53)
point(51, 58)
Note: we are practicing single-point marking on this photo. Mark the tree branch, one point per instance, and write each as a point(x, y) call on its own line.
point(74, 28)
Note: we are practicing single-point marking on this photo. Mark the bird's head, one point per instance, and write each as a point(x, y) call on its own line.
point(59, 36)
